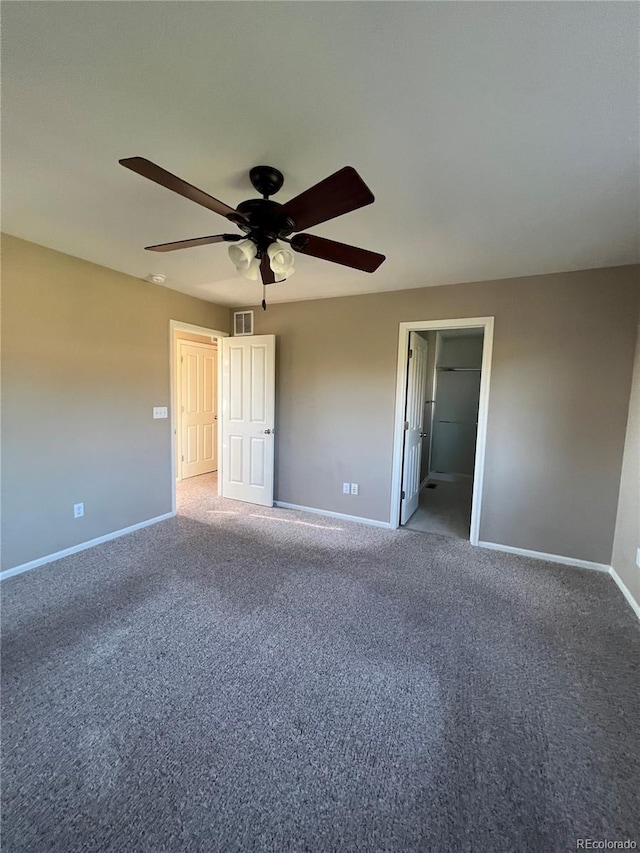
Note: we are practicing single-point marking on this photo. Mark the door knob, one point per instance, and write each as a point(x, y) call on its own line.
point(267, 432)
point(424, 435)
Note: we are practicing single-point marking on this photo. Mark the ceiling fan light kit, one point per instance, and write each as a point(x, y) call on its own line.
point(263, 222)
point(281, 261)
point(244, 256)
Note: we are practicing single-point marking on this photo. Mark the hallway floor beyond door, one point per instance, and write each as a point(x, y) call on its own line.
point(445, 509)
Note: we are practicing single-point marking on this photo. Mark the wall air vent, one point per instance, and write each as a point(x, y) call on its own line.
point(243, 322)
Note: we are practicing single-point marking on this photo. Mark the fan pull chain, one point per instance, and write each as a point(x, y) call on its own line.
point(264, 301)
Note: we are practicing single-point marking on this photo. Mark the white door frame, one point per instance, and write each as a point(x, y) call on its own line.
point(178, 326)
point(485, 323)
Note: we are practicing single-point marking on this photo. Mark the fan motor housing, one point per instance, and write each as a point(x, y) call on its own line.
point(265, 217)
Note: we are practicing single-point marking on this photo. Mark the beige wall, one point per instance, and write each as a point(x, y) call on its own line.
point(85, 357)
point(562, 365)
point(627, 536)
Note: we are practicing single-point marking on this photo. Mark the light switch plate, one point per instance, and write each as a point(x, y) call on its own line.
point(160, 412)
point(638, 558)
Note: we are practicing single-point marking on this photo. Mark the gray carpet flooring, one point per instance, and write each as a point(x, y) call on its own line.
point(244, 679)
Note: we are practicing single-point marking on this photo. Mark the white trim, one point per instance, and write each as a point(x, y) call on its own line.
point(370, 521)
point(178, 326)
point(624, 589)
point(549, 558)
point(50, 558)
point(485, 323)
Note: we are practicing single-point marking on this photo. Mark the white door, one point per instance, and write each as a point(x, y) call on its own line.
point(248, 414)
point(198, 409)
point(414, 414)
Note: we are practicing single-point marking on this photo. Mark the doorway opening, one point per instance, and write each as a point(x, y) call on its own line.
point(442, 401)
point(238, 418)
point(195, 372)
point(196, 405)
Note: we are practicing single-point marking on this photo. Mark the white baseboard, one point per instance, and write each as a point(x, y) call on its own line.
point(550, 558)
point(635, 606)
point(370, 521)
point(50, 558)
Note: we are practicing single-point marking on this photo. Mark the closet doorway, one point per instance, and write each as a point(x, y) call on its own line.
point(450, 423)
point(441, 415)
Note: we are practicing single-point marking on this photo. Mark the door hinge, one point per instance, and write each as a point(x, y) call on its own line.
point(403, 495)
point(181, 359)
point(410, 353)
point(183, 458)
point(406, 425)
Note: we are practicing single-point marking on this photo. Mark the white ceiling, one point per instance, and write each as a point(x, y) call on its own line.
point(500, 139)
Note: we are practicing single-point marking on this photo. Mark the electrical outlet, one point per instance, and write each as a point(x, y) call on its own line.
point(160, 412)
point(354, 488)
point(78, 510)
point(346, 488)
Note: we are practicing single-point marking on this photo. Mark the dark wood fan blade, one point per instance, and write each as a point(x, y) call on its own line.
point(339, 193)
point(197, 241)
point(338, 253)
point(155, 173)
point(265, 271)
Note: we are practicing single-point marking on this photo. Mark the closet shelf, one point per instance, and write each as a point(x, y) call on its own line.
point(460, 369)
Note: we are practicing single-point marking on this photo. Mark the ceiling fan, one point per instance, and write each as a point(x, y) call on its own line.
point(265, 222)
